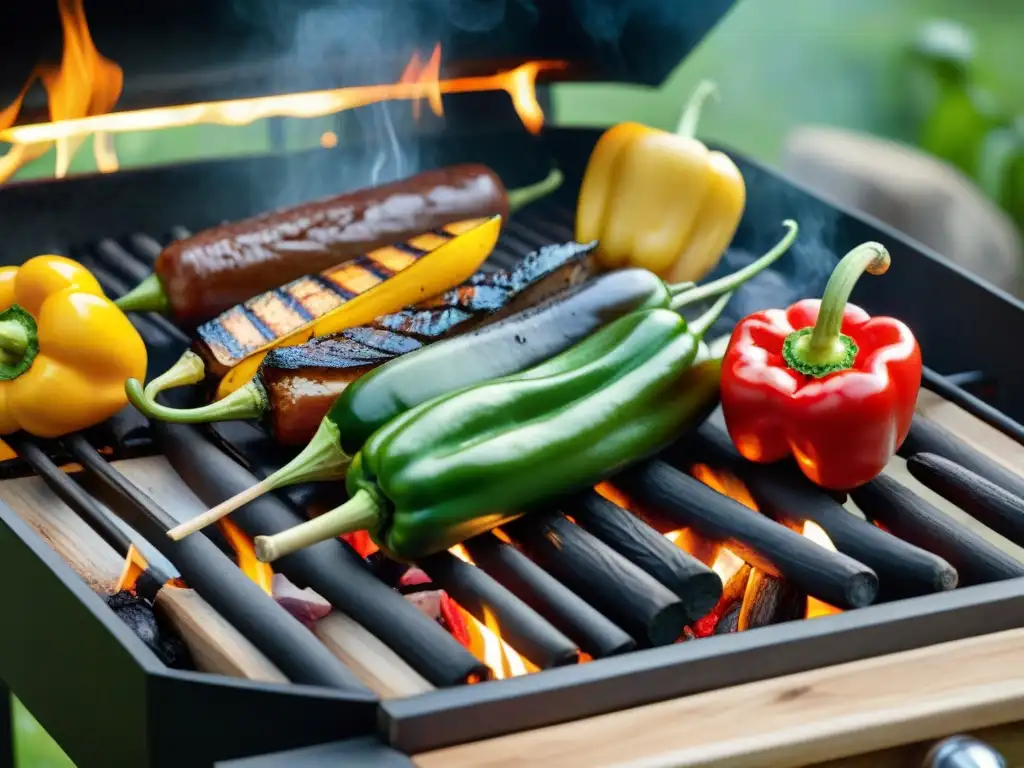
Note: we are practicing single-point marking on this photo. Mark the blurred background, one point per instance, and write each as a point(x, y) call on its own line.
point(943, 76)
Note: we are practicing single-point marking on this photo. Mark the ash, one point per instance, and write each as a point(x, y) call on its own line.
point(139, 616)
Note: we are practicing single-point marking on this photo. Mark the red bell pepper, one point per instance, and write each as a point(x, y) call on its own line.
point(823, 381)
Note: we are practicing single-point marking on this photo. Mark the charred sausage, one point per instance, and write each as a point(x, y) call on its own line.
point(203, 275)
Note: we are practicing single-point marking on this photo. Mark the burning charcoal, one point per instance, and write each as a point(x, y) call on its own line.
point(730, 622)
point(304, 604)
point(769, 600)
point(783, 493)
point(830, 576)
point(625, 593)
point(693, 582)
point(139, 616)
point(567, 612)
point(519, 625)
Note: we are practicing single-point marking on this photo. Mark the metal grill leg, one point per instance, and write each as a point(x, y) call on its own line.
point(6, 727)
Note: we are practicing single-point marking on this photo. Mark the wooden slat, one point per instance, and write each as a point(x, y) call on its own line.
point(797, 720)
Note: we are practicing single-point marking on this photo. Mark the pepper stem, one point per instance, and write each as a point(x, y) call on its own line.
point(522, 197)
point(248, 402)
point(147, 296)
point(321, 459)
point(190, 369)
point(700, 326)
point(824, 349)
point(19, 342)
point(683, 294)
point(687, 127)
point(359, 513)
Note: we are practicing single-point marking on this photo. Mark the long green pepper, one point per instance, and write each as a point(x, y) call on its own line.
point(390, 391)
point(464, 463)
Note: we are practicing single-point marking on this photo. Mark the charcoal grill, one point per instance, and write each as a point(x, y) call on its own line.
point(80, 670)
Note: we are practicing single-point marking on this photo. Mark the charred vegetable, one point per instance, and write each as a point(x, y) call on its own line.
point(296, 386)
point(197, 278)
point(462, 464)
point(232, 346)
point(503, 349)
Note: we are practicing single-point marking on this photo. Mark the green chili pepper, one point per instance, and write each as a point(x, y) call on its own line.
point(506, 348)
point(464, 463)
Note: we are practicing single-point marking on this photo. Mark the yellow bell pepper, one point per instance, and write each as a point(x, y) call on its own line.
point(658, 200)
point(65, 349)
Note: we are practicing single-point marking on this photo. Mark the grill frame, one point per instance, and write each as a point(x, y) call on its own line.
point(432, 720)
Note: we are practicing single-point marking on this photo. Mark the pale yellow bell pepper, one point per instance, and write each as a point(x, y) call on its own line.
point(658, 200)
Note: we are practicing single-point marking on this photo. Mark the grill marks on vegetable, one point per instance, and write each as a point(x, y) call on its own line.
point(249, 326)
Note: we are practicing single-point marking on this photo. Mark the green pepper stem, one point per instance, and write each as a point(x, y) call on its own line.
point(687, 127)
point(682, 295)
point(522, 197)
point(190, 369)
point(700, 326)
point(359, 513)
point(19, 342)
point(321, 459)
point(248, 402)
point(147, 296)
point(825, 349)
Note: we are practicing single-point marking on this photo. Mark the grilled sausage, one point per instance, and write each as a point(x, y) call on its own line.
point(216, 269)
point(302, 382)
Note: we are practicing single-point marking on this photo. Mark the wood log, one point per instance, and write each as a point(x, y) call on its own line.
point(623, 592)
point(520, 626)
point(833, 577)
point(784, 494)
point(769, 600)
point(567, 612)
point(982, 499)
point(214, 644)
point(692, 581)
point(915, 520)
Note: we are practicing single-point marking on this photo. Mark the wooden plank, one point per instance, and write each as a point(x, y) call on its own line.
point(826, 714)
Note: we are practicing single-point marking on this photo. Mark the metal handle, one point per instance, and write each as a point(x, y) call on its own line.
point(963, 752)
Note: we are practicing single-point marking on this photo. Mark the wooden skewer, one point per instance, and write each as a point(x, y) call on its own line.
point(797, 720)
point(214, 644)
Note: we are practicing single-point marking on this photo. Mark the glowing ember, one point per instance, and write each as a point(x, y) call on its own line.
point(815, 607)
point(727, 563)
point(485, 639)
point(245, 554)
point(519, 83)
point(134, 565)
point(84, 84)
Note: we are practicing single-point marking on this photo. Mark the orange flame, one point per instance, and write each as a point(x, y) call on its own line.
point(134, 565)
point(95, 83)
point(83, 85)
point(486, 642)
point(261, 573)
point(816, 533)
point(428, 74)
point(727, 564)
